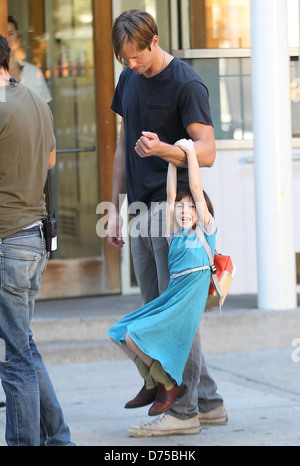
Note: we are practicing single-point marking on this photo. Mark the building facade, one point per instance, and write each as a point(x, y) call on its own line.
point(69, 41)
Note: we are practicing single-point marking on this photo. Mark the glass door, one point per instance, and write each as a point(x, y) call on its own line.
point(75, 179)
point(57, 36)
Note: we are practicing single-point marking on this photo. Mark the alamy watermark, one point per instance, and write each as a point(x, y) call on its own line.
point(144, 221)
point(2, 94)
point(296, 351)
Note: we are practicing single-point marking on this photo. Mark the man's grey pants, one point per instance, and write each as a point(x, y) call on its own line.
point(149, 248)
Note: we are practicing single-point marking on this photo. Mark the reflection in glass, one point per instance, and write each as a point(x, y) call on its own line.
point(219, 23)
point(75, 179)
point(295, 95)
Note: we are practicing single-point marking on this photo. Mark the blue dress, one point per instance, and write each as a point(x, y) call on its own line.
point(165, 328)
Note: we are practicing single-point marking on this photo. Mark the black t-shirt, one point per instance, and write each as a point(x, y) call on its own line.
point(164, 104)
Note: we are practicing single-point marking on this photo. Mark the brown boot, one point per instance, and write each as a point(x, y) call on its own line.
point(143, 398)
point(166, 398)
point(148, 393)
point(168, 391)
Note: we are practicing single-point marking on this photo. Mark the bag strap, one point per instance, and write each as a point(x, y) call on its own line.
point(213, 268)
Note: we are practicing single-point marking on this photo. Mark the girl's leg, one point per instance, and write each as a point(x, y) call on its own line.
point(168, 391)
point(148, 393)
point(126, 350)
point(136, 350)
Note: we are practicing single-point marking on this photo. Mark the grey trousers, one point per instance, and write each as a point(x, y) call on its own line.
point(150, 259)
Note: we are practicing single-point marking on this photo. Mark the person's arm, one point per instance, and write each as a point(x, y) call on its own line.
point(52, 159)
point(195, 180)
point(203, 136)
point(171, 196)
point(114, 228)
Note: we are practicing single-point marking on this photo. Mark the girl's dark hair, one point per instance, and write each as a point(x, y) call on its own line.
point(4, 53)
point(184, 190)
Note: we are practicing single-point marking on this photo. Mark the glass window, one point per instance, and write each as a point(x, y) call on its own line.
point(219, 24)
point(223, 24)
point(295, 95)
point(229, 83)
point(71, 73)
point(230, 88)
point(215, 39)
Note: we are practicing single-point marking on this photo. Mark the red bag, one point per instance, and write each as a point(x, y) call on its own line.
point(224, 271)
point(222, 263)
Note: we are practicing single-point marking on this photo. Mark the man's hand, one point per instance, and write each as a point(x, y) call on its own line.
point(114, 231)
point(148, 144)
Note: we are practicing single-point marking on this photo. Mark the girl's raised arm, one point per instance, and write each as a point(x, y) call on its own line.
point(195, 180)
point(171, 196)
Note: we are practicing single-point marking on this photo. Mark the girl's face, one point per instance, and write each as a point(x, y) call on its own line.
point(185, 213)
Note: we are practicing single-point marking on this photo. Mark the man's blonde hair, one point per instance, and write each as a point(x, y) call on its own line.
point(135, 26)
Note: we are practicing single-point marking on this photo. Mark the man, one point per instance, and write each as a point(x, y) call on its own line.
point(27, 149)
point(160, 99)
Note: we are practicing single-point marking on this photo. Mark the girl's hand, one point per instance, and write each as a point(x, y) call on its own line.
point(187, 145)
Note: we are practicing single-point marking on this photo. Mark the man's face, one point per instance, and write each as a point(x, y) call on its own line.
point(140, 61)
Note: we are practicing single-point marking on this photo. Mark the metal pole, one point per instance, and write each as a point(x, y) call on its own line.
point(273, 155)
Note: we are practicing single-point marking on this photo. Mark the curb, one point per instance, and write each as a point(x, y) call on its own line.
point(82, 340)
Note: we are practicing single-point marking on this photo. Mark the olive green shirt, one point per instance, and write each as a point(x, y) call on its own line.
point(26, 141)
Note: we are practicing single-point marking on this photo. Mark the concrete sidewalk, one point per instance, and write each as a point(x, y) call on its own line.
point(260, 388)
point(249, 352)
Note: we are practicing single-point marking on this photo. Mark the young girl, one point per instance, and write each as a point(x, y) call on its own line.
point(158, 337)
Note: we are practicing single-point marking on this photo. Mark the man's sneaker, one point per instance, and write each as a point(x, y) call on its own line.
point(215, 417)
point(166, 425)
